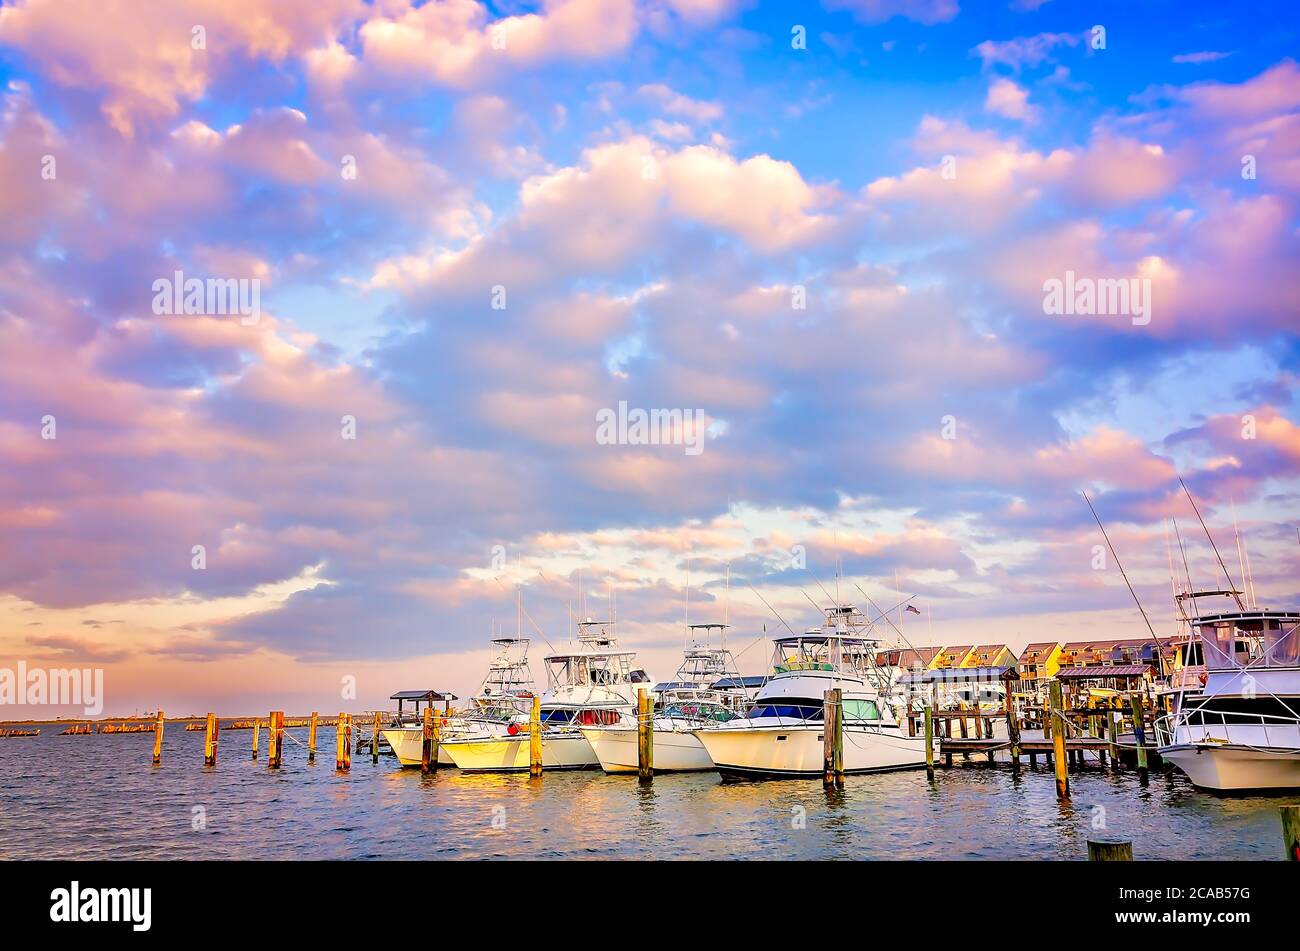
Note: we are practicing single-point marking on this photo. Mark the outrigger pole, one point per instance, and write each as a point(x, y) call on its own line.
point(1235, 595)
point(1120, 566)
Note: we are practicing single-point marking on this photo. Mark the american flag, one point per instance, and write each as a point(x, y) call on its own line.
point(912, 609)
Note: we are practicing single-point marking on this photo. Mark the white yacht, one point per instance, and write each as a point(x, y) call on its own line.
point(503, 700)
point(592, 684)
point(706, 689)
point(782, 734)
point(1241, 730)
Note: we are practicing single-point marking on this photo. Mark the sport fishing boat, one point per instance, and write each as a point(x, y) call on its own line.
point(1241, 730)
point(782, 734)
point(504, 699)
point(592, 684)
point(706, 689)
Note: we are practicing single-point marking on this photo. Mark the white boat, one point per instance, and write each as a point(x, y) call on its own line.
point(502, 701)
point(1241, 730)
point(595, 683)
point(706, 689)
point(782, 735)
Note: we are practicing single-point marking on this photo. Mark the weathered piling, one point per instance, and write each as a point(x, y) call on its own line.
point(645, 736)
point(832, 739)
point(1058, 742)
point(1291, 832)
point(275, 739)
point(374, 741)
point(1139, 734)
point(1013, 729)
point(1113, 720)
point(210, 741)
point(257, 729)
point(929, 741)
point(311, 739)
point(535, 739)
point(1110, 850)
point(157, 740)
point(428, 755)
point(343, 743)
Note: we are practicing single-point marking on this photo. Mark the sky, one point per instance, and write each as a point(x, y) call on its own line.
point(820, 234)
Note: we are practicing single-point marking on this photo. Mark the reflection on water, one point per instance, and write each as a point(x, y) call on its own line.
point(98, 797)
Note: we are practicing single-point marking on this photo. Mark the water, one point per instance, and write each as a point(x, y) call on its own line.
point(98, 797)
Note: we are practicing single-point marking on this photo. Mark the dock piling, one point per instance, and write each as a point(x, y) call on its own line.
point(1139, 734)
point(645, 725)
point(275, 739)
point(1013, 729)
point(257, 729)
point(535, 739)
point(343, 743)
point(311, 738)
point(157, 740)
point(1110, 850)
point(929, 741)
point(428, 758)
point(374, 741)
point(1291, 832)
point(1058, 742)
point(833, 739)
point(210, 741)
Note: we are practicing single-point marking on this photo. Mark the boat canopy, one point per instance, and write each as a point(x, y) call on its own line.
point(1256, 639)
point(432, 696)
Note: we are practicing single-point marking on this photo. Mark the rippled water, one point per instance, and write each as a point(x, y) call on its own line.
point(98, 797)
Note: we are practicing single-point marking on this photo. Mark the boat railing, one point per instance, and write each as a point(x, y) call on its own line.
point(1167, 726)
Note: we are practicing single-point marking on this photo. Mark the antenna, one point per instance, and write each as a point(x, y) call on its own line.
point(1124, 573)
point(1231, 587)
point(1241, 558)
point(726, 603)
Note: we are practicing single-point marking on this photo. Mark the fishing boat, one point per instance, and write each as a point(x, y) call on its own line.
point(594, 683)
point(502, 701)
point(782, 734)
point(706, 689)
point(1241, 730)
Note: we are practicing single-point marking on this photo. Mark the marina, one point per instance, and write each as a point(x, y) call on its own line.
point(247, 810)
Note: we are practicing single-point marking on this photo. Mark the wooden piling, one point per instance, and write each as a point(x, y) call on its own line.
point(428, 758)
point(1139, 733)
point(210, 741)
point(929, 741)
point(343, 743)
point(535, 739)
point(275, 739)
point(645, 736)
point(1058, 743)
point(1109, 851)
point(437, 721)
point(374, 741)
point(1113, 720)
point(1013, 728)
point(311, 738)
point(257, 729)
point(157, 740)
point(1291, 832)
point(832, 739)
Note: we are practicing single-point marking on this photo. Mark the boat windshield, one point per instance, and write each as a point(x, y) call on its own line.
point(1245, 642)
point(699, 711)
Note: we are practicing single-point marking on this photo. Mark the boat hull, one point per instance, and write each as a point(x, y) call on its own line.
point(408, 747)
point(794, 752)
point(507, 754)
point(617, 750)
point(1229, 768)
